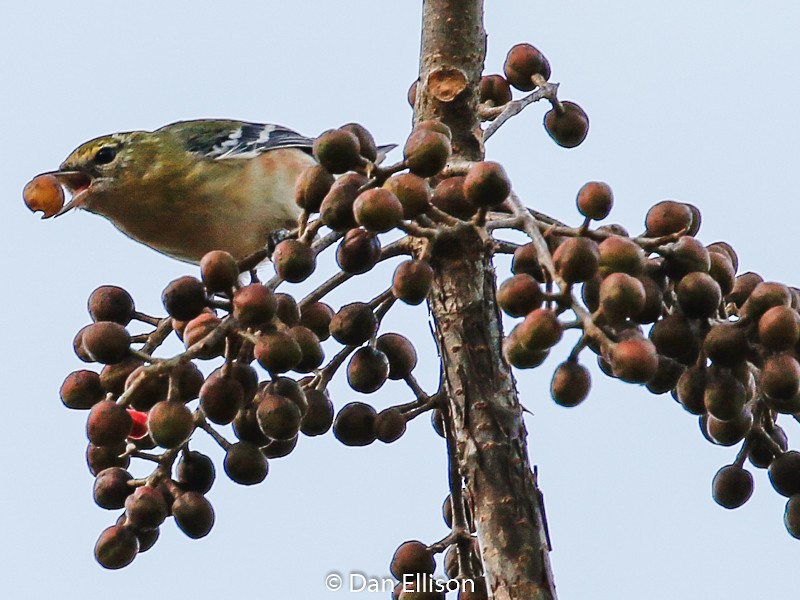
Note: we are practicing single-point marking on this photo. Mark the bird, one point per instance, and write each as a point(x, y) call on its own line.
point(191, 187)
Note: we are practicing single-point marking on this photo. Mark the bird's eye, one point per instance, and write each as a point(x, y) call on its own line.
point(105, 155)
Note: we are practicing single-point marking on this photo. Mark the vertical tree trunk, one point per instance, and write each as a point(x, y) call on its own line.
point(486, 414)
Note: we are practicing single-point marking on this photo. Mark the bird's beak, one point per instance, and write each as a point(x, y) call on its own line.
point(77, 184)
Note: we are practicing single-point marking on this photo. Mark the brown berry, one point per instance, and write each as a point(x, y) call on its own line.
point(426, 152)
point(568, 126)
point(111, 303)
point(358, 251)
point(486, 184)
point(366, 143)
point(108, 423)
point(355, 424)
point(571, 383)
point(184, 298)
point(294, 261)
point(146, 508)
point(412, 191)
point(311, 188)
point(621, 296)
point(390, 425)
point(106, 342)
point(621, 255)
point(666, 217)
point(336, 210)
point(317, 317)
point(732, 486)
point(519, 295)
point(254, 305)
point(195, 472)
point(367, 370)
point(319, 415)
point(784, 473)
point(724, 396)
point(522, 62)
point(245, 464)
point(278, 417)
point(410, 558)
point(448, 196)
point(540, 330)
point(378, 210)
point(779, 328)
point(82, 390)
point(634, 360)
point(412, 281)
point(576, 259)
point(595, 200)
point(400, 352)
point(277, 352)
point(726, 345)
point(353, 324)
point(338, 150)
point(116, 547)
point(193, 514)
point(111, 488)
point(494, 90)
point(221, 397)
point(170, 423)
point(699, 295)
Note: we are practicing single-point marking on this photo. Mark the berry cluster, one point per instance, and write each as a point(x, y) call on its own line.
point(725, 346)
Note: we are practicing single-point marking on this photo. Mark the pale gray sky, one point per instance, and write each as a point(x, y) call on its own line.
point(687, 100)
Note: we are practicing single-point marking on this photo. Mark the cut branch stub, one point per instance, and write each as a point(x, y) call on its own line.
point(446, 84)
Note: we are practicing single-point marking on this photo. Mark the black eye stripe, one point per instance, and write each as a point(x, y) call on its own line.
point(105, 155)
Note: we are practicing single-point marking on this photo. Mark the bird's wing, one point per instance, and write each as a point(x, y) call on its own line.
point(220, 140)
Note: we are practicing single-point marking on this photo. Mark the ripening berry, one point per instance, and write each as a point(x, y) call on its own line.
point(743, 286)
point(541, 330)
point(198, 329)
point(576, 259)
point(784, 473)
point(311, 188)
point(111, 303)
point(673, 337)
point(280, 448)
point(595, 200)
point(732, 486)
point(699, 296)
point(170, 423)
point(621, 255)
point(44, 193)
point(779, 328)
point(278, 417)
point(724, 396)
point(721, 269)
point(494, 90)
point(287, 310)
point(378, 210)
point(522, 62)
point(288, 388)
point(81, 390)
point(108, 423)
point(728, 433)
point(99, 458)
point(193, 514)
point(412, 191)
point(568, 126)
point(221, 397)
point(366, 143)
point(390, 425)
point(411, 95)
point(245, 464)
point(310, 348)
point(426, 151)
point(184, 298)
point(725, 249)
point(338, 150)
point(448, 196)
point(354, 324)
point(111, 488)
point(336, 210)
point(687, 255)
point(667, 375)
point(621, 297)
point(780, 377)
point(437, 126)
point(634, 360)
point(410, 558)
point(116, 547)
point(106, 342)
point(570, 384)
point(519, 295)
point(486, 184)
point(146, 508)
point(412, 281)
point(400, 352)
point(726, 344)
point(277, 352)
point(358, 251)
point(245, 426)
point(195, 472)
point(367, 370)
point(294, 261)
point(666, 217)
point(761, 453)
point(355, 424)
point(519, 355)
point(319, 415)
point(317, 317)
point(526, 260)
point(219, 271)
point(764, 296)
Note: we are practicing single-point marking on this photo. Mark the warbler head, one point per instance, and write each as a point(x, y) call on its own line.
point(99, 167)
